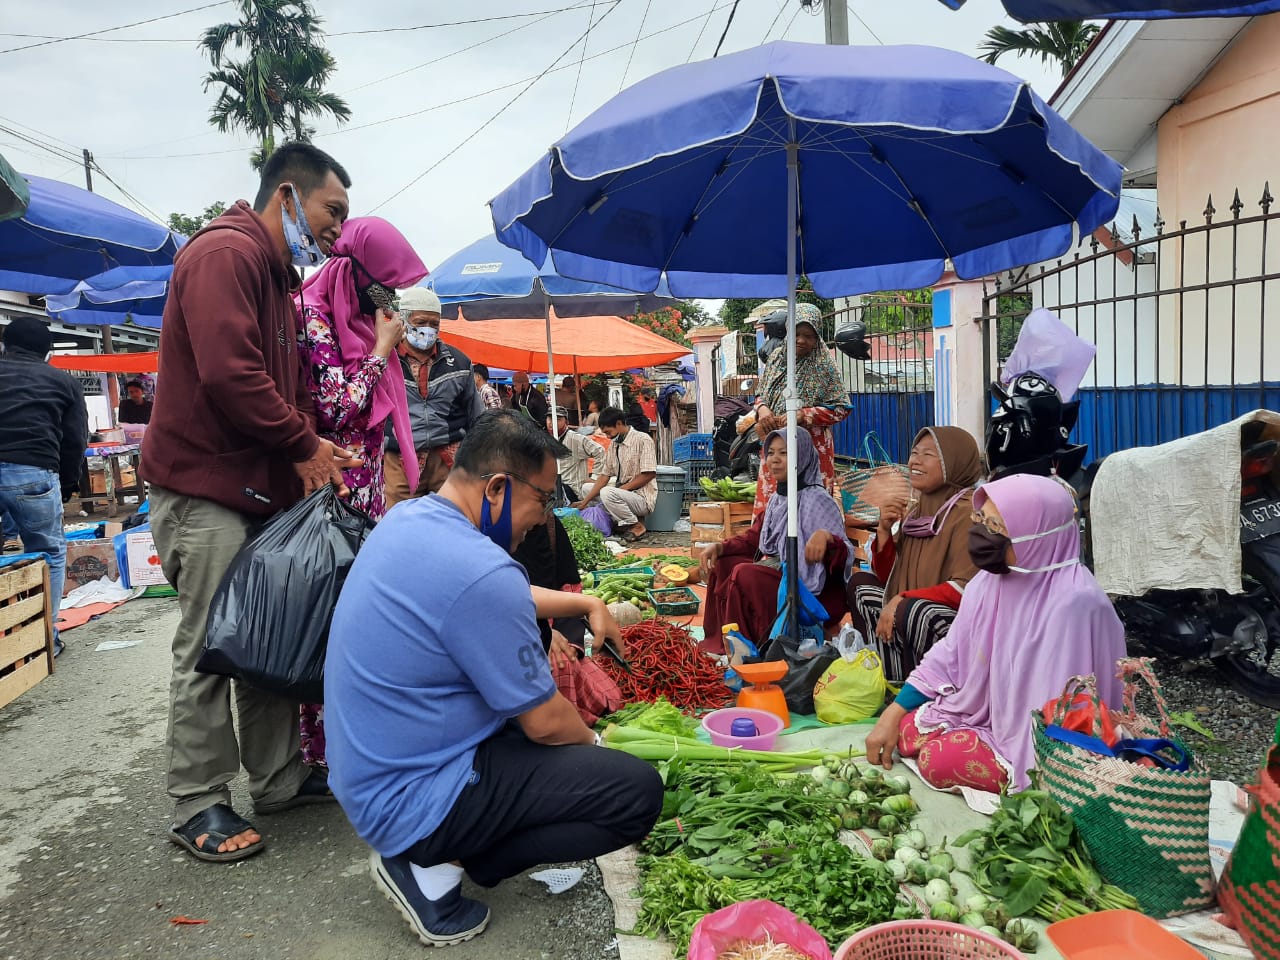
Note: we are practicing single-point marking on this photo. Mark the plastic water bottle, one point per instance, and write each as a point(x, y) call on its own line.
point(737, 647)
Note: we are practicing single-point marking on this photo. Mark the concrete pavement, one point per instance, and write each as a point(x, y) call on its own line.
point(86, 871)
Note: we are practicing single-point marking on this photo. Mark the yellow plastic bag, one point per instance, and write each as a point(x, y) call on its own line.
point(850, 690)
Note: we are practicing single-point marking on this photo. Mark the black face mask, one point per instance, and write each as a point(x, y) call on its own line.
point(989, 551)
point(372, 295)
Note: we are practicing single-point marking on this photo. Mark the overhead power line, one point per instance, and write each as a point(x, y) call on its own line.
point(865, 26)
point(573, 97)
point(125, 26)
point(782, 7)
point(701, 30)
point(503, 109)
point(728, 23)
point(639, 34)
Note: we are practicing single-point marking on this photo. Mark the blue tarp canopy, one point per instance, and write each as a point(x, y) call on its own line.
point(68, 235)
point(125, 294)
point(1031, 11)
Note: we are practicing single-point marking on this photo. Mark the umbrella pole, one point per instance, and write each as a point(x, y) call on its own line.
point(793, 401)
point(577, 387)
point(551, 364)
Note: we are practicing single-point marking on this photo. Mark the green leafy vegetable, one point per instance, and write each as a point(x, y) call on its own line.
point(588, 544)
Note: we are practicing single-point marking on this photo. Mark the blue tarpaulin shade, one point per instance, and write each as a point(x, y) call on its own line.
point(68, 235)
point(1031, 11)
point(125, 294)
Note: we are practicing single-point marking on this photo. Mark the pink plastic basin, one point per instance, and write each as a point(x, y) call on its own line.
point(718, 722)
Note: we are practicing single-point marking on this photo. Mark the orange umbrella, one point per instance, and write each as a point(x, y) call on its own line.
point(147, 362)
point(582, 344)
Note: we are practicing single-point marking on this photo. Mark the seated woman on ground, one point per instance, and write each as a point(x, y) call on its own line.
point(921, 553)
point(742, 573)
point(1031, 619)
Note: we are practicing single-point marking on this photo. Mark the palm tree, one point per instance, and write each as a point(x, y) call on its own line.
point(281, 80)
point(1063, 42)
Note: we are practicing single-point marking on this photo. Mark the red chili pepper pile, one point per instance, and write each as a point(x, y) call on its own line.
point(665, 663)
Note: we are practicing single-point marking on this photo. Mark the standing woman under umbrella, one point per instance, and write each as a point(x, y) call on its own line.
point(824, 399)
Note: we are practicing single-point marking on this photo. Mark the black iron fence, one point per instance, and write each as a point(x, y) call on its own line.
point(892, 393)
point(1179, 319)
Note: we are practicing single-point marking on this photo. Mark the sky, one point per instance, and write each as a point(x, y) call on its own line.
point(444, 117)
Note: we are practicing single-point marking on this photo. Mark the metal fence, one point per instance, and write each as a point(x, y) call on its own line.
point(1179, 319)
point(892, 393)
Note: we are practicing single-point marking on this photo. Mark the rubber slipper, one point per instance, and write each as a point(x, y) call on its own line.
point(634, 537)
point(221, 823)
point(314, 789)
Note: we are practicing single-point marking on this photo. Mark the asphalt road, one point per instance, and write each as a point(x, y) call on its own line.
point(86, 871)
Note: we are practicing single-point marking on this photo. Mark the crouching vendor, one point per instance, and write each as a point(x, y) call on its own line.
point(450, 749)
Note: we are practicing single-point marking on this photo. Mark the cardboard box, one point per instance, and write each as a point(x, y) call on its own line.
point(89, 560)
point(97, 481)
point(26, 628)
point(143, 562)
point(719, 512)
point(716, 533)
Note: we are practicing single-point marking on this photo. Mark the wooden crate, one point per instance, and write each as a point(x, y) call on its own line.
point(26, 628)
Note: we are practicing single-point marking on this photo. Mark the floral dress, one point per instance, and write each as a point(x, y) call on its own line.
point(342, 416)
point(342, 410)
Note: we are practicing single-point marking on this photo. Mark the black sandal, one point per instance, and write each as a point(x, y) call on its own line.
point(220, 823)
point(314, 789)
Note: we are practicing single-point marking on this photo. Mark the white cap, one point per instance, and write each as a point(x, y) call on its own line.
point(419, 300)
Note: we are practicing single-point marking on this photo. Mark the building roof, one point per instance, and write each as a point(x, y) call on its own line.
point(1132, 73)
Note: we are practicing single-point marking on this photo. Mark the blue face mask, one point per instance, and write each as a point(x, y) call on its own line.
point(297, 234)
point(421, 338)
point(500, 532)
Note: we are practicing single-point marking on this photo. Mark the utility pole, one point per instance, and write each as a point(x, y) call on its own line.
point(88, 166)
point(836, 16)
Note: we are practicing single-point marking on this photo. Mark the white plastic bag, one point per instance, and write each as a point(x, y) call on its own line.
point(849, 642)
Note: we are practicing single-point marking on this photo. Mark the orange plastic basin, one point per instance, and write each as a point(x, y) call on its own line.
point(1118, 935)
point(766, 672)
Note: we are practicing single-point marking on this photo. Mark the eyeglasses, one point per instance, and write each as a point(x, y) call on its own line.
point(992, 524)
point(548, 497)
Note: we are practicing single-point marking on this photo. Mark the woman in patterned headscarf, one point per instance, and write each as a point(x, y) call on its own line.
point(824, 399)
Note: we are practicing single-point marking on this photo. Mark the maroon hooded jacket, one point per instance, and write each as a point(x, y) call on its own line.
point(232, 411)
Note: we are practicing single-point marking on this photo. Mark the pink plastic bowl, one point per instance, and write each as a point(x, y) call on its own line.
point(718, 722)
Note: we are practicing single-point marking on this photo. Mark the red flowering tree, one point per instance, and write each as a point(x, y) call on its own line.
point(668, 322)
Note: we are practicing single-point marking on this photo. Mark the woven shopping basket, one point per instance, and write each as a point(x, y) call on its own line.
point(1147, 828)
point(864, 490)
point(1249, 891)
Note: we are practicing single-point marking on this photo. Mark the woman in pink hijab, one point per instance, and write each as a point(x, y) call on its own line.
point(1030, 620)
point(348, 337)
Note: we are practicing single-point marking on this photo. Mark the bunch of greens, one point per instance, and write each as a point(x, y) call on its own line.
point(588, 544)
point(865, 797)
point(1031, 858)
point(665, 748)
point(661, 716)
point(654, 560)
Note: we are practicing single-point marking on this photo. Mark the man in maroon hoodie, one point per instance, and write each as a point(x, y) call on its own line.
point(232, 441)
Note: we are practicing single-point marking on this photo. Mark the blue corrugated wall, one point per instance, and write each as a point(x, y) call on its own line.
point(1114, 419)
point(895, 418)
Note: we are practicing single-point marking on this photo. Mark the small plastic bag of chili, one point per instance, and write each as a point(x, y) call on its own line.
point(754, 922)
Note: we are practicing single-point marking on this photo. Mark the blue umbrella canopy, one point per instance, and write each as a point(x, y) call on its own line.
point(906, 157)
point(135, 294)
point(1031, 11)
point(68, 235)
point(497, 283)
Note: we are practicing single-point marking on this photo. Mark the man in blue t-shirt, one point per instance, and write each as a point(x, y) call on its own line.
point(449, 746)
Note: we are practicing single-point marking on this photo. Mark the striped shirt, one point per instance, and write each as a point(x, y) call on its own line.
point(631, 455)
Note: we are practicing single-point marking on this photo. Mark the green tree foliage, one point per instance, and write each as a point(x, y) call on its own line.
point(735, 313)
point(892, 311)
point(279, 83)
point(1063, 42)
point(188, 225)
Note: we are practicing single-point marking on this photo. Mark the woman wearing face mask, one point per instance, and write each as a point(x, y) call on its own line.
point(348, 339)
point(921, 553)
point(824, 399)
point(1032, 619)
point(742, 574)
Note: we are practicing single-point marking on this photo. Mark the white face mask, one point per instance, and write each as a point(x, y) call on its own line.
point(1039, 536)
point(421, 338)
point(303, 249)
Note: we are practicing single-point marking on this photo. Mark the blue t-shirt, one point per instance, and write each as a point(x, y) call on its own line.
point(434, 646)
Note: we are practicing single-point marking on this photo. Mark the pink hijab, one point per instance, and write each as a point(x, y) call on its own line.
point(1019, 637)
point(384, 252)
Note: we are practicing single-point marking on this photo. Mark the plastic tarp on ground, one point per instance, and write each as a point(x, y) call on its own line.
point(581, 345)
point(145, 362)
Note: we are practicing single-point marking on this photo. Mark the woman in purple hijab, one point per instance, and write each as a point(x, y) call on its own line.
point(742, 574)
point(1030, 620)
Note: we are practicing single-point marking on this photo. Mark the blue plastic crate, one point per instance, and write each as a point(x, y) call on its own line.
point(692, 446)
point(694, 470)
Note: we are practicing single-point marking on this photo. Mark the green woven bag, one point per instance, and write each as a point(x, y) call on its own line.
point(1146, 828)
point(1250, 888)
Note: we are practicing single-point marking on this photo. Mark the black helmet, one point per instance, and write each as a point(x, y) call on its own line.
point(770, 344)
point(775, 324)
point(1027, 423)
point(851, 340)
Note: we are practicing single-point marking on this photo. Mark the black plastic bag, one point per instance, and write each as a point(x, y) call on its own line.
point(269, 619)
point(803, 675)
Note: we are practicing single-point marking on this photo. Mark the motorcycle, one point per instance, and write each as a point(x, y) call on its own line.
point(735, 454)
point(1238, 633)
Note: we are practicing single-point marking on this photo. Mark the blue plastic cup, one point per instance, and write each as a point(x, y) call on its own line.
point(744, 727)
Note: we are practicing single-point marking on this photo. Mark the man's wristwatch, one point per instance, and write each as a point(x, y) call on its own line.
point(599, 741)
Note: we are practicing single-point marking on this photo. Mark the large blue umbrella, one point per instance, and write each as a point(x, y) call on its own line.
point(1030, 11)
point(498, 283)
point(68, 234)
point(136, 294)
point(864, 168)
